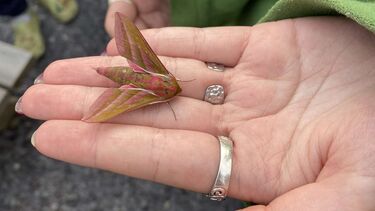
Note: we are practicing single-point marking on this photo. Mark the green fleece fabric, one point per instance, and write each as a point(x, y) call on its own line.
point(203, 13)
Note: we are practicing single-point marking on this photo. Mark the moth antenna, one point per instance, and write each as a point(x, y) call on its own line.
point(177, 79)
point(174, 113)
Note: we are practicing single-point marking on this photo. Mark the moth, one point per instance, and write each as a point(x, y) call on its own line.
point(146, 81)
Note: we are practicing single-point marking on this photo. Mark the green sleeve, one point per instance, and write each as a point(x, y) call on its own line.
point(204, 13)
point(249, 12)
point(361, 11)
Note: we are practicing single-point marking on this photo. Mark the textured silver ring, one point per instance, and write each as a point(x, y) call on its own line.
point(215, 66)
point(214, 94)
point(219, 190)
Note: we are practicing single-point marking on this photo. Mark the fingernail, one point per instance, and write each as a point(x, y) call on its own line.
point(18, 107)
point(33, 139)
point(39, 79)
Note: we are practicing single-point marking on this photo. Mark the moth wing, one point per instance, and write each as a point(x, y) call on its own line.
point(115, 101)
point(132, 45)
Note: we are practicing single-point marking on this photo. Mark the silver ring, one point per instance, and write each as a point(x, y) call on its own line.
point(219, 190)
point(215, 66)
point(214, 94)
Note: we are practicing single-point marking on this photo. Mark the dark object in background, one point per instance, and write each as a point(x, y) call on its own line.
point(13, 63)
point(12, 7)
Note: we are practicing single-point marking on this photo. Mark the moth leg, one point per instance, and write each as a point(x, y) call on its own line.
point(174, 113)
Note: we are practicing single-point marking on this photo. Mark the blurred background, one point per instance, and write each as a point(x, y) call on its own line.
point(31, 181)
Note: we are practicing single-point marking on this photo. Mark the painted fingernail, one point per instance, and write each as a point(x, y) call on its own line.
point(18, 107)
point(39, 79)
point(33, 139)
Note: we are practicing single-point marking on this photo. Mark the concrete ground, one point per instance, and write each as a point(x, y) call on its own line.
point(31, 181)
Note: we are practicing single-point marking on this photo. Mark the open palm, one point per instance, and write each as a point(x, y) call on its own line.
point(299, 107)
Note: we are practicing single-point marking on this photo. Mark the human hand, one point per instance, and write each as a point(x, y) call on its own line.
point(299, 108)
point(145, 14)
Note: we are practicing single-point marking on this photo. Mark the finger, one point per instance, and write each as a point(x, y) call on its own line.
point(48, 102)
point(155, 19)
point(81, 71)
point(141, 24)
point(123, 6)
point(222, 45)
point(331, 195)
point(179, 158)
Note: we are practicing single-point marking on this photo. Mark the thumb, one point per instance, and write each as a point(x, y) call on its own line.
point(125, 7)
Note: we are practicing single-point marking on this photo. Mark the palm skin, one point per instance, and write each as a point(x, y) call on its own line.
point(308, 116)
point(299, 107)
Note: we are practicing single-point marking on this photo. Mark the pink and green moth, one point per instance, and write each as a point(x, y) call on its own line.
point(146, 81)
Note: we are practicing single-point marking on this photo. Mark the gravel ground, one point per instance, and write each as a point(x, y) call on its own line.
point(30, 181)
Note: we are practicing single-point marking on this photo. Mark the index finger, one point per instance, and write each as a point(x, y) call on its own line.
point(217, 44)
